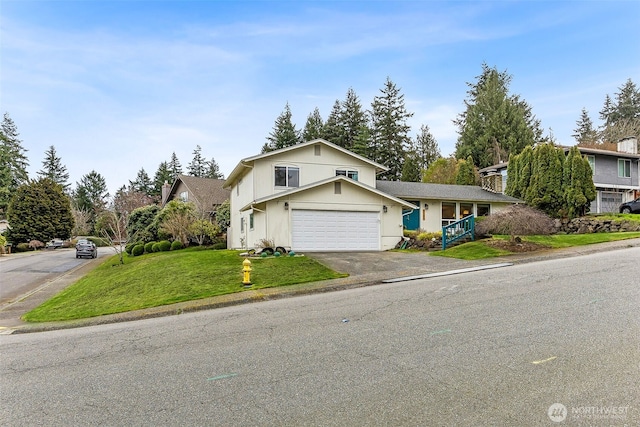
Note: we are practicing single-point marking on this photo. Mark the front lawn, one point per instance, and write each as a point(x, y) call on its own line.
point(481, 249)
point(169, 277)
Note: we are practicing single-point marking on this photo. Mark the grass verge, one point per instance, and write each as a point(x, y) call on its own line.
point(480, 250)
point(169, 277)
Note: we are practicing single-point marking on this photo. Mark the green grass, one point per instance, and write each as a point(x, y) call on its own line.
point(479, 250)
point(169, 277)
point(470, 251)
point(619, 217)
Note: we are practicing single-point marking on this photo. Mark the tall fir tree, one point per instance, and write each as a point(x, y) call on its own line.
point(585, 132)
point(411, 170)
point(91, 195)
point(621, 118)
point(198, 166)
point(142, 183)
point(427, 147)
point(495, 123)
point(332, 130)
point(389, 130)
point(313, 127)
point(163, 175)
point(352, 118)
point(53, 169)
point(466, 174)
point(284, 133)
point(175, 167)
point(13, 162)
point(213, 170)
point(362, 143)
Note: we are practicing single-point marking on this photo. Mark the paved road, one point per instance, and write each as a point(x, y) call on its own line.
point(496, 347)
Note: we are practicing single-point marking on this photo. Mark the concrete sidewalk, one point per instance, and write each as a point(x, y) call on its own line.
point(364, 269)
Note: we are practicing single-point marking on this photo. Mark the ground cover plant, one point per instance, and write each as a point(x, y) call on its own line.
point(169, 277)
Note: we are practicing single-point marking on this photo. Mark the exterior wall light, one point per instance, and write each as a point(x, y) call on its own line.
point(384, 208)
point(286, 206)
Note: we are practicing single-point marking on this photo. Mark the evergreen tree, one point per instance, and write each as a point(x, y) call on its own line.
point(466, 174)
point(585, 133)
point(13, 162)
point(313, 127)
point(332, 130)
point(389, 129)
point(363, 141)
point(40, 210)
point(175, 167)
point(352, 118)
point(545, 186)
point(411, 170)
point(163, 174)
point(578, 186)
point(198, 166)
point(213, 170)
point(494, 124)
point(53, 168)
point(142, 183)
point(513, 169)
point(91, 195)
point(427, 147)
point(622, 118)
point(284, 133)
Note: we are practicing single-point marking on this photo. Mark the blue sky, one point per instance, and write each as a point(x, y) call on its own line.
point(119, 85)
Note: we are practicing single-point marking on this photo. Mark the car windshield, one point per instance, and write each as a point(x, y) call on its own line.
point(83, 242)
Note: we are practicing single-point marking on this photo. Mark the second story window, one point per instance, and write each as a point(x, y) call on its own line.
point(592, 163)
point(624, 168)
point(287, 176)
point(348, 173)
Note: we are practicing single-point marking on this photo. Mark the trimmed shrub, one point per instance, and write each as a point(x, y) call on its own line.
point(22, 247)
point(176, 245)
point(219, 246)
point(429, 235)
point(164, 246)
point(148, 247)
point(137, 250)
point(129, 247)
point(155, 247)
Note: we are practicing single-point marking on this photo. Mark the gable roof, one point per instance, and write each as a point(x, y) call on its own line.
point(208, 192)
point(420, 190)
point(248, 162)
point(326, 181)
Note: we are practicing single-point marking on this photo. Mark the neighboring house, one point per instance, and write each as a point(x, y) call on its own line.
point(205, 193)
point(616, 175)
point(442, 204)
point(313, 196)
point(494, 178)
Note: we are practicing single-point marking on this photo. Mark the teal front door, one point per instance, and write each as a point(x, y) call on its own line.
point(411, 218)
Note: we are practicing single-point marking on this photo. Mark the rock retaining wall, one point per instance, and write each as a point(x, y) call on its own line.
point(587, 224)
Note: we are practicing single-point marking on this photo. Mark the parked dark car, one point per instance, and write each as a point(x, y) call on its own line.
point(86, 248)
point(631, 207)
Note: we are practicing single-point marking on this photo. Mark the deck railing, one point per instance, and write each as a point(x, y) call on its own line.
point(466, 227)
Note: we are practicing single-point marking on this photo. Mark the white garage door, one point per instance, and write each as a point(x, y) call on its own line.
point(335, 230)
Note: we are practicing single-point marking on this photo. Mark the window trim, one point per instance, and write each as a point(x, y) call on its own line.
point(349, 173)
point(626, 168)
point(286, 168)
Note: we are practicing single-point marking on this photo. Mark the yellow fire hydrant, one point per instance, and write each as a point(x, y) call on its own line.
point(246, 272)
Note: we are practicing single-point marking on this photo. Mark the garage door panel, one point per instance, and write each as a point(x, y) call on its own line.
point(335, 230)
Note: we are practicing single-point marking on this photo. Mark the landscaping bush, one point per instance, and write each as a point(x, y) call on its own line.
point(130, 247)
point(98, 241)
point(138, 250)
point(219, 245)
point(22, 247)
point(410, 233)
point(176, 245)
point(164, 246)
point(516, 220)
point(148, 247)
point(429, 235)
point(155, 247)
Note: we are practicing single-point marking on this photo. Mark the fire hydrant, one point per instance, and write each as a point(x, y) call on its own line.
point(246, 273)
